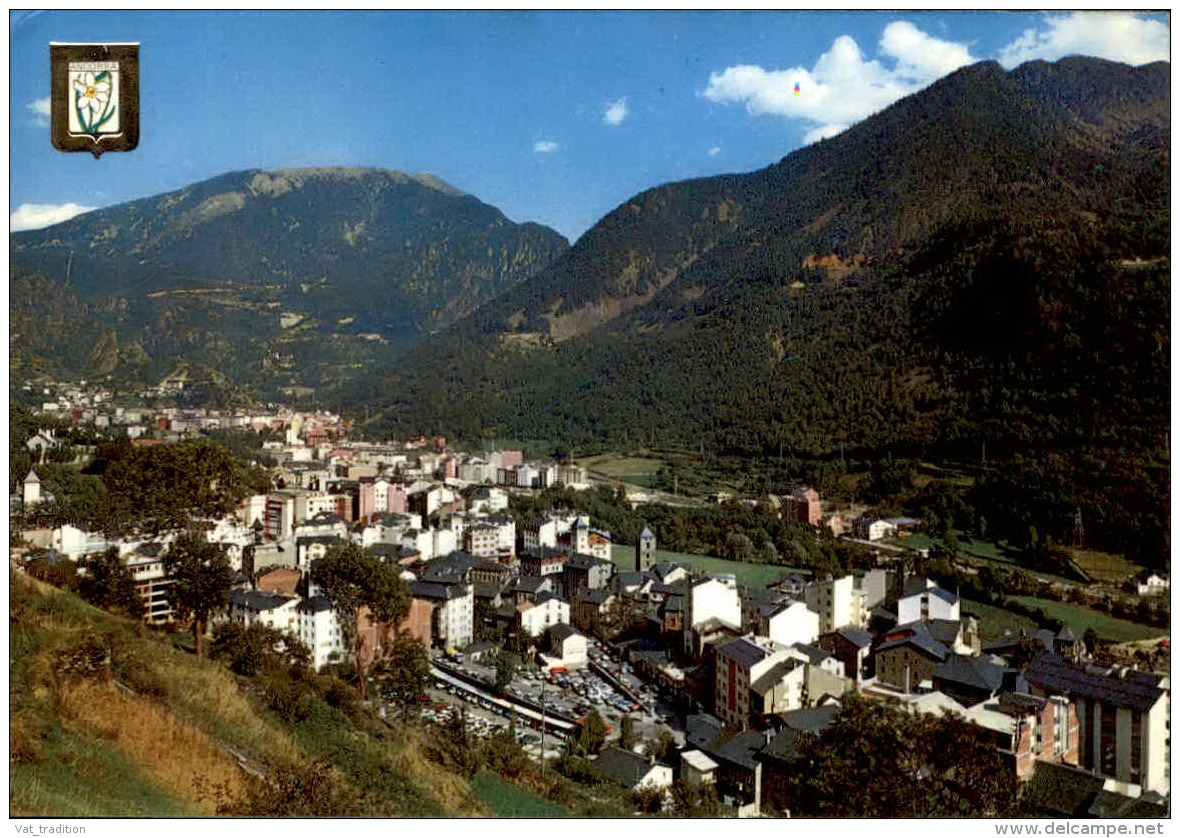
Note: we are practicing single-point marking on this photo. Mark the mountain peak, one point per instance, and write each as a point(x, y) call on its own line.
point(288, 178)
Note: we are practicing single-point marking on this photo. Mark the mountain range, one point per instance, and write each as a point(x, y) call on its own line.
point(815, 301)
point(301, 273)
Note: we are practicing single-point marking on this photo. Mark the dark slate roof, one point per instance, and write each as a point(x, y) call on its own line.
point(673, 604)
point(914, 585)
point(259, 600)
point(856, 636)
point(1066, 635)
point(813, 719)
point(582, 561)
point(744, 651)
point(478, 647)
point(594, 596)
point(482, 563)
point(1061, 790)
point(741, 750)
point(917, 585)
point(325, 518)
point(1011, 641)
point(663, 569)
point(628, 578)
point(545, 596)
point(529, 584)
point(647, 533)
point(815, 654)
point(542, 553)
point(485, 590)
point(1022, 702)
point(702, 730)
point(315, 605)
point(562, 631)
point(795, 723)
point(1110, 804)
point(451, 566)
point(920, 638)
point(395, 551)
point(977, 673)
point(303, 540)
point(434, 590)
point(1057, 676)
point(624, 767)
point(945, 632)
point(773, 675)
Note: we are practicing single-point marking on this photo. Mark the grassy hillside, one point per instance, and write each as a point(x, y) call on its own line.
point(108, 720)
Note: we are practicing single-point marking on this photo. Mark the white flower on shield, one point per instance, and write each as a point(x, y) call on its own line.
point(92, 92)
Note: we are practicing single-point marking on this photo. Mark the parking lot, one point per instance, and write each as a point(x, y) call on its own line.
point(573, 693)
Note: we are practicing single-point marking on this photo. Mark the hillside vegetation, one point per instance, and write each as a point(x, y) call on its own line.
point(108, 720)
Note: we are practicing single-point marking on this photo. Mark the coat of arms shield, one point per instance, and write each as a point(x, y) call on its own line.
point(95, 97)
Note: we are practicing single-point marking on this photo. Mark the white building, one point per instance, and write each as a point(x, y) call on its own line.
point(838, 602)
point(711, 597)
point(453, 616)
point(790, 623)
point(545, 611)
point(31, 489)
point(924, 600)
point(568, 645)
point(260, 608)
point(320, 632)
point(749, 672)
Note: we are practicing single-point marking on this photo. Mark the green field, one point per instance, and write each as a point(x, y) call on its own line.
point(753, 575)
point(507, 801)
point(994, 622)
point(639, 471)
point(1079, 619)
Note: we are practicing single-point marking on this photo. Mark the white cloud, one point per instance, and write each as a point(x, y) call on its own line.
point(920, 57)
point(844, 86)
point(40, 110)
point(615, 112)
point(823, 132)
point(36, 216)
point(1115, 36)
point(714, 151)
point(545, 146)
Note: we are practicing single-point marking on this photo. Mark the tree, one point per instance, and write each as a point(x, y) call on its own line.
point(662, 747)
point(351, 577)
point(627, 735)
point(690, 800)
point(109, 584)
point(404, 672)
point(505, 671)
point(252, 649)
point(592, 736)
point(878, 761)
point(738, 547)
point(1090, 640)
point(201, 576)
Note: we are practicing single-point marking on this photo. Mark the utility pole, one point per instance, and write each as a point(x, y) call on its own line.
point(542, 724)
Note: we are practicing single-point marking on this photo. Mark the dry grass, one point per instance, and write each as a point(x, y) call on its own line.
point(1104, 567)
point(211, 696)
point(172, 753)
point(453, 792)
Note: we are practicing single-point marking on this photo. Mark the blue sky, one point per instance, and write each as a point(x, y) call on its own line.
point(555, 117)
